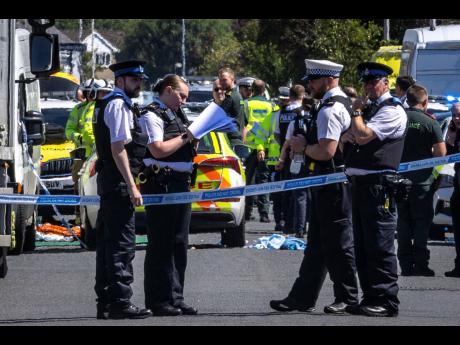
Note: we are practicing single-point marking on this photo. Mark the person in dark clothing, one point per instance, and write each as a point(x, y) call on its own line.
point(403, 82)
point(415, 215)
point(453, 146)
point(372, 156)
point(330, 236)
point(232, 104)
point(120, 147)
point(168, 169)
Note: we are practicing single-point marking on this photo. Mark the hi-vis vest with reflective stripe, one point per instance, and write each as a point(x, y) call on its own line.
point(265, 135)
point(258, 109)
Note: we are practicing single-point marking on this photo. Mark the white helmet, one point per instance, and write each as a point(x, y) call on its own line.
point(100, 85)
point(87, 84)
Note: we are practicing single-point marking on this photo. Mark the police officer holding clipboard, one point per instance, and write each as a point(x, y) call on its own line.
point(168, 169)
point(120, 148)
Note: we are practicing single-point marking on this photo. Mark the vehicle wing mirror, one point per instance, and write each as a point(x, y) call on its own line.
point(44, 54)
point(33, 121)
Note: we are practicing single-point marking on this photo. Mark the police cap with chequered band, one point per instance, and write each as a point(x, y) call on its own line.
point(321, 68)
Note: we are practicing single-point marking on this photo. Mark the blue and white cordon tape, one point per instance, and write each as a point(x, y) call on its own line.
point(217, 194)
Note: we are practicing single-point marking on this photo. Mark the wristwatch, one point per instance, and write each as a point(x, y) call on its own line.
point(357, 113)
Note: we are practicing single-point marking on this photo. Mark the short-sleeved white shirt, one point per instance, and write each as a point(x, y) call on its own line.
point(152, 125)
point(332, 121)
point(389, 122)
point(119, 118)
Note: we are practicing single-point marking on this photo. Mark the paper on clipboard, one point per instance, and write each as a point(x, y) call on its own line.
point(213, 117)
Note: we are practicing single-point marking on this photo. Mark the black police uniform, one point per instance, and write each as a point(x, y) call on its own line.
point(301, 197)
point(415, 214)
point(374, 217)
point(330, 235)
point(115, 222)
point(167, 225)
point(285, 117)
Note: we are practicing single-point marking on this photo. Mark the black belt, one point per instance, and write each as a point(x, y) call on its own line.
point(370, 178)
point(155, 173)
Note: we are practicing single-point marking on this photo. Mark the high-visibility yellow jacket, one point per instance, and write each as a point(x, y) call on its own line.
point(79, 126)
point(265, 135)
point(258, 109)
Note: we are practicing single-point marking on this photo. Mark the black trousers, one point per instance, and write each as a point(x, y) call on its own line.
point(115, 249)
point(455, 209)
point(287, 200)
point(329, 248)
point(374, 225)
point(277, 198)
point(257, 171)
point(300, 201)
point(414, 221)
point(166, 254)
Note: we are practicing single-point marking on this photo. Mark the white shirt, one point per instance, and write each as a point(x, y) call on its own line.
point(119, 118)
point(389, 122)
point(152, 125)
point(333, 121)
point(290, 129)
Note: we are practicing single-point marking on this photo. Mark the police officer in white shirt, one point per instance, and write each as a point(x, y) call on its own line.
point(169, 169)
point(120, 147)
point(373, 152)
point(330, 234)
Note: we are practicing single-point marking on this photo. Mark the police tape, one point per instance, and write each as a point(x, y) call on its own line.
point(218, 194)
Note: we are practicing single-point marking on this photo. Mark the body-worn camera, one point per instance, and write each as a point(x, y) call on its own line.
point(399, 186)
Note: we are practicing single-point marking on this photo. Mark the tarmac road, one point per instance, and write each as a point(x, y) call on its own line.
point(54, 286)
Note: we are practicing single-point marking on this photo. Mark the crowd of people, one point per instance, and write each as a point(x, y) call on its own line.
point(313, 129)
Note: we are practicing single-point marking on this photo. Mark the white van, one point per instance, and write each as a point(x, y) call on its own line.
point(432, 58)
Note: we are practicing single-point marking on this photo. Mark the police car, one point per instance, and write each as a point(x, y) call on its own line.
point(218, 168)
point(55, 162)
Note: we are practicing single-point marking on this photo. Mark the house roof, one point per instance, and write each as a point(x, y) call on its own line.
point(63, 38)
point(103, 40)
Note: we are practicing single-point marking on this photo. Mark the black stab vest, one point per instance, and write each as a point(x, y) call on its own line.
point(329, 166)
point(109, 177)
point(174, 124)
point(285, 117)
point(377, 154)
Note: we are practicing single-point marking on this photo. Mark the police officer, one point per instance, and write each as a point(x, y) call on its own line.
point(245, 89)
point(330, 238)
point(415, 215)
point(120, 148)
point(256, 165)
point(453, 146)
point(168, 169)
point(403, 82)
point(296, 168)
point(371, 164)
point(289, 108)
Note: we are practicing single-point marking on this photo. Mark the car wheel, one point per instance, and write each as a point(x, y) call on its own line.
point(88, 234)
point(234, 237)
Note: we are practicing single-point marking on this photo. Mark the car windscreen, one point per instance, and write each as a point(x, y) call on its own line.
point(56, 116)
point(199, 96)
point(205, 145)
point(439, 71)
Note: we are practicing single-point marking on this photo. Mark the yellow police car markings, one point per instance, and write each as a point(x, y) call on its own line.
point(56, 151)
